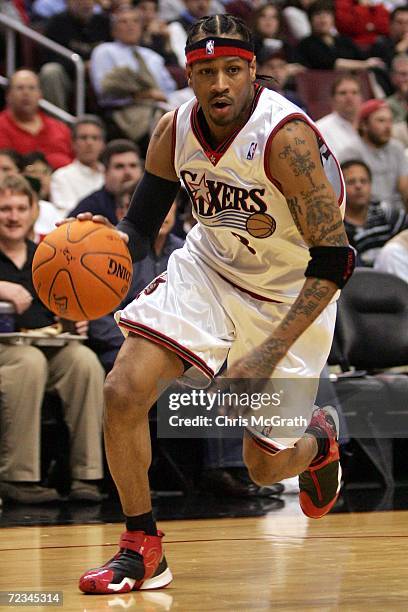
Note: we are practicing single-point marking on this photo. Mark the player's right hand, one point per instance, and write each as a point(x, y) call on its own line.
point(88, 216)
point(17, 295)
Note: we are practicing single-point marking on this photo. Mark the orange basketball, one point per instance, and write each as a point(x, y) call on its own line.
point(260, 225)
point(82, 270)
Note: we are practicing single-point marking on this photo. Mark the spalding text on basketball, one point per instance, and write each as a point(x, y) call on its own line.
point(119, 270)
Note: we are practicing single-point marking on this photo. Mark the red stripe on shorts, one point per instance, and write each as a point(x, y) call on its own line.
point(160, 338)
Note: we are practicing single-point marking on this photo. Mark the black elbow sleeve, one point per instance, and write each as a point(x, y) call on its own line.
point(332, 263)
point(148, 208)
point(138, 244)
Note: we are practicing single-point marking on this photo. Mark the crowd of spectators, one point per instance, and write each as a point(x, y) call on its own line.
point(134, 58)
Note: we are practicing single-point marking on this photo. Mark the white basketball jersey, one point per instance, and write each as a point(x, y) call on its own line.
point(245, 230)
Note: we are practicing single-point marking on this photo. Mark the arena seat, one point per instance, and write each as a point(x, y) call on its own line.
point(372, 331)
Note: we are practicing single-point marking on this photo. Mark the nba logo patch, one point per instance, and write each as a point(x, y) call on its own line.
point(209, 47)
point(251, 150)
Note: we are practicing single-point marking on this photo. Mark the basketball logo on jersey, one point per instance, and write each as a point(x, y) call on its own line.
point(209, 47)
point(251, 150)
point(219, 204)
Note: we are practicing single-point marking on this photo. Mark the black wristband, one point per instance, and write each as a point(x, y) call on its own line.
point(334, 263)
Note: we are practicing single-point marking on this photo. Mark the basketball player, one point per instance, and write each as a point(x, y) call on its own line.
point(256, 282)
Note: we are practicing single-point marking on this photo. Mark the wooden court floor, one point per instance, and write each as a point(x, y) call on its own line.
point(352, 562)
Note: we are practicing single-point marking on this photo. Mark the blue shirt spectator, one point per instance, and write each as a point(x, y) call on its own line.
point(133, 71)
point(48, 8)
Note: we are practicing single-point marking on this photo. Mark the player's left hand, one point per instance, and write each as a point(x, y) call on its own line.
point(247, 376)
point(88, 216)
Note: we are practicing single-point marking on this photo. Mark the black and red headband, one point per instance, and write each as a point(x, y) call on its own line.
point(216, 46)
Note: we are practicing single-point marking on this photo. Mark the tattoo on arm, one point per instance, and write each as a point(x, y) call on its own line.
point(315, 295)
point(309, 195)
point(313, 298)
point(260, 362)
point(296, 212)
point(320, 218)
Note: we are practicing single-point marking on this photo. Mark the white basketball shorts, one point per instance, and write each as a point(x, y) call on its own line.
point(206, 320)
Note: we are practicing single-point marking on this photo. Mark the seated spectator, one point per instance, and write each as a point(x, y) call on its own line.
point(243, 9)
point(191, 11)
point(295, 13)
point(45, 214)
point(36, 166)
point(85, 174)
point(155, 32)
point(393, 257)
point(130, 78)
point(267, 31)
point(398, 101)
point(340, 127)
point(25, 128)
point(361, 20)
point(369, 223)
point(79, 29)
point(171, 10)
point(273, 64)
point(27, 371)
point(10, 162)
point(324, 49)
point(387, 47)
point(123, 166)
point(38, 172)
point(383, 155)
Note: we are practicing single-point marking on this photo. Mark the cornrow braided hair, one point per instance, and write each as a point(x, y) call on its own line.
point(217, 25)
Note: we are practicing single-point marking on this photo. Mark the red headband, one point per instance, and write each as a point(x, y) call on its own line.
point(216, 46)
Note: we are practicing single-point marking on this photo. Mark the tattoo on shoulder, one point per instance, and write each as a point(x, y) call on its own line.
point(291, 126)
point(301, 163)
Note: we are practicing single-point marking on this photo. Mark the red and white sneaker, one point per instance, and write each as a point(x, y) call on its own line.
point(140, 564)
point(320, 483)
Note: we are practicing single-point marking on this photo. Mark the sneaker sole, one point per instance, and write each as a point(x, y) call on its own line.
point(157, 582)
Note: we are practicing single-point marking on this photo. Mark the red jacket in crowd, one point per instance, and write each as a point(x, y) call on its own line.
point(362, 22)
point(54, 139)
